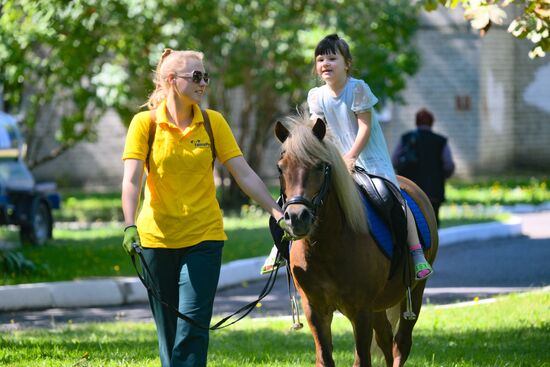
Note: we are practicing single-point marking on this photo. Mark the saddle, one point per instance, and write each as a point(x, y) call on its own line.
point(383, 194)
point(388, 202)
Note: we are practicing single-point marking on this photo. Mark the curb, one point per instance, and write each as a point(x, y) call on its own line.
point(127, 290)
point(480, 232)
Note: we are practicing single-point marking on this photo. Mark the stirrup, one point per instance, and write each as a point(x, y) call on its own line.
point(272, 263)
point(422, 266)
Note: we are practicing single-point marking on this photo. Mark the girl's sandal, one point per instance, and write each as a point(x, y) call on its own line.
point(422, 271)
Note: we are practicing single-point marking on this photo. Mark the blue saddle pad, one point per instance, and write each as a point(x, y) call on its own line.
point(381, 233)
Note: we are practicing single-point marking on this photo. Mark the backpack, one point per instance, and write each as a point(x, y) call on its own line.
point(407, 160)
point(153, 131)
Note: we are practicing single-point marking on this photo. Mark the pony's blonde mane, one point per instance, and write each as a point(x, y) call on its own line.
point(305, 147)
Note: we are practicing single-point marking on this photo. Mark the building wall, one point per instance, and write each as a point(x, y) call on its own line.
point(90, 165)
point(496, 140)
point(488, 97)
point(447, 84)
point(532, 111)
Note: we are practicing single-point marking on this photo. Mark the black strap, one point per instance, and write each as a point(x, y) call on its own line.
point(245, 310)
point(153, 131)
point(151, 139)
point(208, 128)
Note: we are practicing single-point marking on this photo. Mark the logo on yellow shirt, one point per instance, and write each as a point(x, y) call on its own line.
point(198, 144)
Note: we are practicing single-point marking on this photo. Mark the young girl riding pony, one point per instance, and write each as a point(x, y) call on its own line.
point(346, 104)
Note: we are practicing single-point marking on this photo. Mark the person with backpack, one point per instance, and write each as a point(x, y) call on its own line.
point(425, 157)
point(179, 229)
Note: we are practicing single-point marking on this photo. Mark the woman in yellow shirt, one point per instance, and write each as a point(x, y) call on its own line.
point(180, 225)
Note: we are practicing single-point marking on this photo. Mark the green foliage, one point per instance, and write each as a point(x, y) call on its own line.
point(75, 60)
point(105, 207)
point(90, 207)
point(533, 22)
point(69, 62)
point(380, 35)
point(513, 331)
point(14, 264)
point(495, 192)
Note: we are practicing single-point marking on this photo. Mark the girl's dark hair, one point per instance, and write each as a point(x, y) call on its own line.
point(332, 44)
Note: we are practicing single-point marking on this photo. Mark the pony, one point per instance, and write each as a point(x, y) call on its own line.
point(335, 262)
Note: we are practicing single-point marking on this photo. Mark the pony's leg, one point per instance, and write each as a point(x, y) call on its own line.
point(384, 335)
point(319, 323)
point(362, 329)
point(403, 338)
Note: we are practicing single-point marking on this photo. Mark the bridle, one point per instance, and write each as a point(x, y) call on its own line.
point(317, 200)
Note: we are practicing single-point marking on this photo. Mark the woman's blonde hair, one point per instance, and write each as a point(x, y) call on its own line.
point(170, 62)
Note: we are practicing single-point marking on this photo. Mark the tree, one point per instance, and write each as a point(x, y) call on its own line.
point(70, 62)
point(532, 23)
point(267, 51)
point(65, 63)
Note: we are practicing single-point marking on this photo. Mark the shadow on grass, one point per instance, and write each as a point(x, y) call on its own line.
point(509, 347)
point(125, 344)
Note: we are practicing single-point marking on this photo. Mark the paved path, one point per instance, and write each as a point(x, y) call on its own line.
point(462, 271)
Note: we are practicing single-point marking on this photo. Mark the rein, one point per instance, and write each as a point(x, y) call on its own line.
point(317, 200)
point(245, 310)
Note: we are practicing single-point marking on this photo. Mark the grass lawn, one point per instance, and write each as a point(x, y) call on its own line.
point(506, 191)
point(95, 250)
point(513, 331)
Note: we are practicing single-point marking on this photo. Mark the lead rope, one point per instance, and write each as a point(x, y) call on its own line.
point(244, 310)
point(295, 312)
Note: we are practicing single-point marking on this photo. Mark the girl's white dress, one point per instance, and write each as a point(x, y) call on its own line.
point(340, 114)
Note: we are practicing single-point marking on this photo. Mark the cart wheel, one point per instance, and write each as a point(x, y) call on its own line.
point(39, 229)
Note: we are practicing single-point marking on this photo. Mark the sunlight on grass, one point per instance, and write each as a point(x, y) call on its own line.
point(88, 230)
point(514, 331)
point(533, 190)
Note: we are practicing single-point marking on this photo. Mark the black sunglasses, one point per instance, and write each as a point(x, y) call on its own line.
point(196, 76)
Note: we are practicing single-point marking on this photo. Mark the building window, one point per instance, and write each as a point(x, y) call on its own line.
point(462, 103)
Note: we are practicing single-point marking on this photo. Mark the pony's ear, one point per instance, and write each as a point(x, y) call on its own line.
point(281, 132)
point(319, 129)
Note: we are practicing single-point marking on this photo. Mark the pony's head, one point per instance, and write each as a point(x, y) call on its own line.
point(310, 166)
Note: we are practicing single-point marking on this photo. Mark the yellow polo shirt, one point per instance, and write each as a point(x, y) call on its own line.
point(180, 207)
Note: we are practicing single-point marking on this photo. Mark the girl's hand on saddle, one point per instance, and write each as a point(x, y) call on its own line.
point(350, 161)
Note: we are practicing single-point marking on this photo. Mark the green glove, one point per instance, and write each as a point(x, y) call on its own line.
point(288, 236)
point(130, 236)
